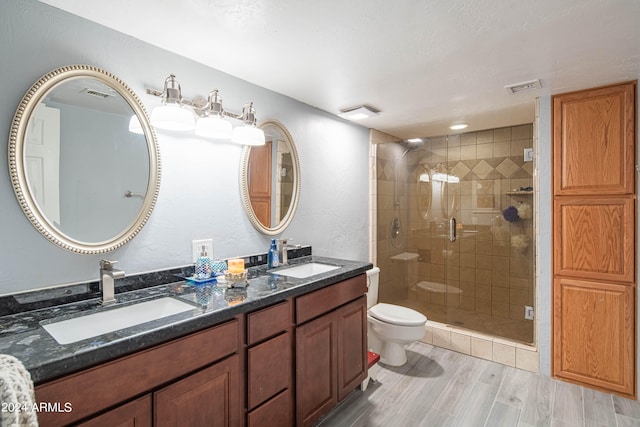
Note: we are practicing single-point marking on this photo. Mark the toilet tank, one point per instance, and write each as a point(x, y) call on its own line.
point(373, 276)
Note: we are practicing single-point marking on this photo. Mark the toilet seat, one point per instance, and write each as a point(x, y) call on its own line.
point(397, 315)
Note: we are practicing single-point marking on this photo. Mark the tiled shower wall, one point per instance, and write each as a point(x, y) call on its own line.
point(488, 271)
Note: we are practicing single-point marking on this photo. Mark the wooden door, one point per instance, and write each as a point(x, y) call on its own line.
point(352, 346)
point(595, 331)
point(260, 182)
point(594, 238)
point(316, 368)
point(42, 160)
point(210, 397)
point(594, 141)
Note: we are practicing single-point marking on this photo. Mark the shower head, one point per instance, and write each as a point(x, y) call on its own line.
point(411, 145)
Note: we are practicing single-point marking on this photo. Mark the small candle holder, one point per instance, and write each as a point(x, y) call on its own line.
point(236, 279)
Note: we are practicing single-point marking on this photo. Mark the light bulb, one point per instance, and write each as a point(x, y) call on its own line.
point(214, 127)
point(248, 135)
point(172, 117)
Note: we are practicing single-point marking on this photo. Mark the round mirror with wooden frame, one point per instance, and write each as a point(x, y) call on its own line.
point(83, 159)
point(270, 179)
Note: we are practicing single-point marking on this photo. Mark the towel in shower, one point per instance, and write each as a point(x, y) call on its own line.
point(17, 395)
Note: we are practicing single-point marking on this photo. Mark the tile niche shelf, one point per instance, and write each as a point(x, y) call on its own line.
point(519, 193)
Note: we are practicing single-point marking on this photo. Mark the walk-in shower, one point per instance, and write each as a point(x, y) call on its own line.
point(455, 229)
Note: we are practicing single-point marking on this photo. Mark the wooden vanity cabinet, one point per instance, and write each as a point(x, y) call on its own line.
point(238, 373)
point(202, 370)
point(331, 347)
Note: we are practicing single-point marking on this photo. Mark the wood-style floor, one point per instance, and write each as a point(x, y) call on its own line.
point(439, 387)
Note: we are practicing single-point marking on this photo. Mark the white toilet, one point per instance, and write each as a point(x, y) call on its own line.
point(391, 327)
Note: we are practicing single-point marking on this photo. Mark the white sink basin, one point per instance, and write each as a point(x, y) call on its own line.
point(93, 325)
point(306, 270)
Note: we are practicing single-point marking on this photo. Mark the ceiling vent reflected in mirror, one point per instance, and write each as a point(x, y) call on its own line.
point(523, 87)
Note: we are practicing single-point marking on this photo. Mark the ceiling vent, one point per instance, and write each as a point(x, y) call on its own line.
point(96, 93)
point(523, 87)
point(358, 113)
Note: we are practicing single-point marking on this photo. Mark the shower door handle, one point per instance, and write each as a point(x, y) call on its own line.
point(452, 230)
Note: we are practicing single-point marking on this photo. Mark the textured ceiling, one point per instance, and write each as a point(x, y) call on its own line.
point(423, 63)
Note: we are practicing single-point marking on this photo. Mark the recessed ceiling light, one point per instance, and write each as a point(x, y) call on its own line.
point(414, 140)
point(458, 126)
point(358, 113)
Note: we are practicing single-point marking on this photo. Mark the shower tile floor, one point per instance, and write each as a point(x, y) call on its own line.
point(516, 330)
point(438, 387)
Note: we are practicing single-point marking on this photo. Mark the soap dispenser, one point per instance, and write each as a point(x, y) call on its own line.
point(273, 260)
point(203, 265)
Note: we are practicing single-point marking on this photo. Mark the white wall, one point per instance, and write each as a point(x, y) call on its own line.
point(199, 194)
point(544, 266)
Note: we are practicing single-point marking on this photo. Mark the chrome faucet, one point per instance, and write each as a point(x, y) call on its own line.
point(283, 247)
point(108, 276)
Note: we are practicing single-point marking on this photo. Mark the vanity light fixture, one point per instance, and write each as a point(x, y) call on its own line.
point(414, 140)
point(211, 121)
point(212, 125)
point(171, 115)
point(248, 134)
point(358, 113)
point(458, 126)
point(445, 177)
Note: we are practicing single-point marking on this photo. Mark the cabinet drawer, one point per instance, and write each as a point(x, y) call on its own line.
point(270, 365)
point(97, 388)
point(276, 412)
point(268, 322)
point(326, 299)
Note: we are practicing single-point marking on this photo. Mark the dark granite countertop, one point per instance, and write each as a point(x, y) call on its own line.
point(23, 336)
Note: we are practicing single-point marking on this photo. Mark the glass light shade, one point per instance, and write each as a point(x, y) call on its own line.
point(214, 127)
point(445, 177)
point(172, 117)
point(135, 126)
point(248, 135)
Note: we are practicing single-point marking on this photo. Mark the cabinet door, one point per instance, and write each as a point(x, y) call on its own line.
point(210, 397)
point(352, 346)
point(594, 238)
point(316, 368)
point(594, 340)
point(133, 414)
point(594, 141)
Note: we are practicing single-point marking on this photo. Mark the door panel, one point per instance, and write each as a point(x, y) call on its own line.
point(593, 135)
point(210, 397)
point(594, 333)
point(316, 368)
point(352, 340)
point(595, 238)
